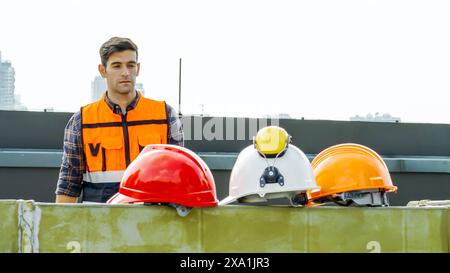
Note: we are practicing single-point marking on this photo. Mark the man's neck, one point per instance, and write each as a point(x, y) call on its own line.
point(123, 100)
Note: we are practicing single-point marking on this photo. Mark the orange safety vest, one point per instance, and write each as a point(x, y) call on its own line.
point(112, 141)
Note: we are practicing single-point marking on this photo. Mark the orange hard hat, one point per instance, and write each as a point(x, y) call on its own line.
point(164, 173)
point(350, 171)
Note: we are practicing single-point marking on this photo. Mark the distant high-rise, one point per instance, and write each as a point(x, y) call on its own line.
point(98, 87)
point(18, 105)
point(7, 79)
point(140, 87)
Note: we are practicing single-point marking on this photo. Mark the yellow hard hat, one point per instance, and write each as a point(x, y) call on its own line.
point(271, 140)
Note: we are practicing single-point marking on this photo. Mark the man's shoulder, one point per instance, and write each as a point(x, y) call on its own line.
point(90, 104)
point(170, 110)
point(152, 100)
point(74, 122)
point(75, 116)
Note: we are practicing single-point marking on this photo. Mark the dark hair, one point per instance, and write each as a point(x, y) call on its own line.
point(116, 44)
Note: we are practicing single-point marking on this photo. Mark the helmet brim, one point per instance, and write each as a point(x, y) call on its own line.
point(119, 198)
point(228, 200)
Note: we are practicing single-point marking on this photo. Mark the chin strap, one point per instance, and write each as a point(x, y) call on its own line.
point(372, 198)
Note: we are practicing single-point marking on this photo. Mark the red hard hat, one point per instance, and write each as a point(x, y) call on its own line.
point(165, 173)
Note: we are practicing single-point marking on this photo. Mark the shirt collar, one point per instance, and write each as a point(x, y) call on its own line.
point(116, 108)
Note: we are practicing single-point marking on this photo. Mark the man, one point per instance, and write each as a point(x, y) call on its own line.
point(104, 137)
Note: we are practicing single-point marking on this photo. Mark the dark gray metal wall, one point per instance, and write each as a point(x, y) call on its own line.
point(32, 130)
point(45, 130)
point(39, 184)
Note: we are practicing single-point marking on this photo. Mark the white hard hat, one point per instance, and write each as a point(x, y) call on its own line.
point(256, 178)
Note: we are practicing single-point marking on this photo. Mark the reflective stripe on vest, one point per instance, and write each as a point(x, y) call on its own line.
point(112, 141)
point(98, 187)
point(103, 177)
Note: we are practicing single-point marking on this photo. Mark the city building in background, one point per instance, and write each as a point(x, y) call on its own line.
point(140, 87)
point(278, 116)
point(377, 117)
point(18, 105)
point(7, 79)
point(98, 87)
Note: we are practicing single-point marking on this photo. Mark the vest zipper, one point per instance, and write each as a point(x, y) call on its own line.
point(126, 139)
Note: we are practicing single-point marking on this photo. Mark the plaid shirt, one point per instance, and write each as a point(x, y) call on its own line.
point(73, 163)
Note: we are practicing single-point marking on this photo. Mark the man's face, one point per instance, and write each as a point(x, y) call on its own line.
point(121, 71)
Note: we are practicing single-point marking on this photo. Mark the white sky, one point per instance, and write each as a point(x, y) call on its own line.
point(315, 59)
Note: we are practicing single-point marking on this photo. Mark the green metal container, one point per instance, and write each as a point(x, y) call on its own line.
point(9, 226)
point(139, 228)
